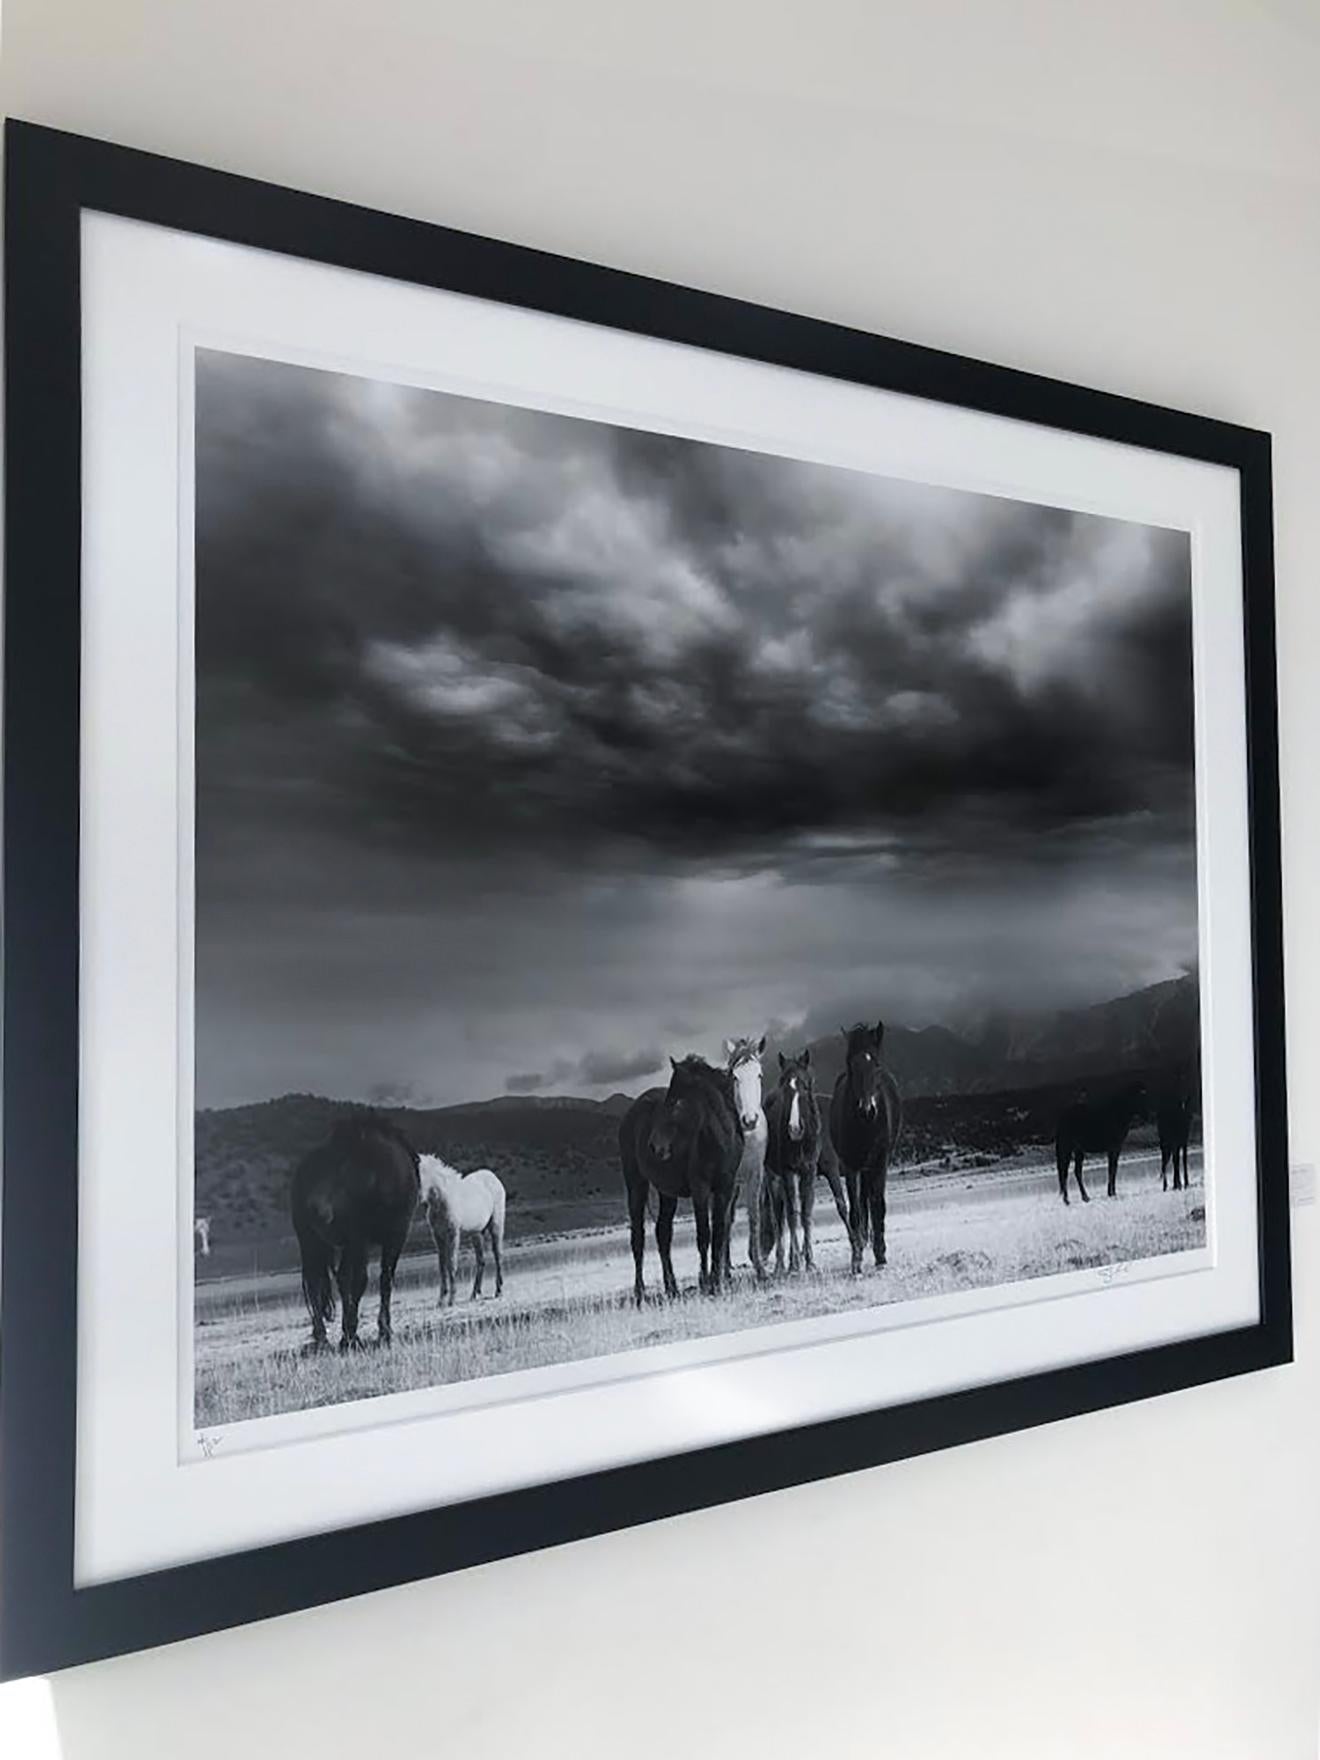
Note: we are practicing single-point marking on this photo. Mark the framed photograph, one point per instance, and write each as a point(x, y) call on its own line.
point(615, 900)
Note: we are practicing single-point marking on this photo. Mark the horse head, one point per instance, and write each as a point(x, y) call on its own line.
point(675, 1117)
point(743, 1062)
point(795, 1085)
point(863, 1065)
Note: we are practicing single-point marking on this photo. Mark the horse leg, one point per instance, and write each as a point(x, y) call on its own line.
point(1061, 1157)
point(791, 1211)
point(777, 1216)
point(352, 1279)
point(878, 1180)
point(316, 1285)
point(856, 1226)
point(442, 1262)
point(701, 1213)
point(1164, 1169)
point(637, 1228)
point(453, 1242)
point(389, 1263)
point(494, 1232)
point(806, 1204)
point(1113, 1173)
point(758, 1198)
point(1078, 1158)
point(664, 1241)
point(719, 1242)
point(480, 1256)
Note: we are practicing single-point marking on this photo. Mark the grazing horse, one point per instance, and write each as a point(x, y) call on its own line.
point(866, 1116)
point(202, 1237)
point(1096, 1127)
point(459, 1204)
point(685, 1140)
point(742, 1060)
point(1173, 1119)
point(793, 1159)
point(357, 1190)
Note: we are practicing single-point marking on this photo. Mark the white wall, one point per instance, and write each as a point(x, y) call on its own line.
point(1125, 193)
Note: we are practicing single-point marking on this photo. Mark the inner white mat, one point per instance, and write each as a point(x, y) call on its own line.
point(150, 1493)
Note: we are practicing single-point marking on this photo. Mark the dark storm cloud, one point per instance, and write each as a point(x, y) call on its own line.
point(518, 736)
point(527, 1083)
point(598, 1069)
point(417, 612)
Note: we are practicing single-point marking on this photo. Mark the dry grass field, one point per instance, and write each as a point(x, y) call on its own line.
point(569, 1298)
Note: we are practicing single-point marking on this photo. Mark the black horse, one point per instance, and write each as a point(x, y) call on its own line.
point(357, 1190)
point(793, 1157)
point(1173, 1119)
point(1096, 1127)
point(686, 1142)
point(866, 1116)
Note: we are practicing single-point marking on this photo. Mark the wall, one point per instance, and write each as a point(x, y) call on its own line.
point(1123, 193)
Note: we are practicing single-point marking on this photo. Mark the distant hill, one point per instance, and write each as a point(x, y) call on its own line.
point(558, 1156)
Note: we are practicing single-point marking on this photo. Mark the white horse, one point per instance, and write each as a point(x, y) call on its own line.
point(202, 1236)
point(743, 1062)
point(458, 1204)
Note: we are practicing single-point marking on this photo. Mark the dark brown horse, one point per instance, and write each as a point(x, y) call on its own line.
point(686, 1142)
point(1173, 1119)
point(1096, 1127)
point(358, 1190)
point(866, 1116)
point(793, 1158)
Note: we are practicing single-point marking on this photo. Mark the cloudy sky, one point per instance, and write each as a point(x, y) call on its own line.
point(530, 749)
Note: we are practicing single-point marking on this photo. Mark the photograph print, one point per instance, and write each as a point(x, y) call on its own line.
point(648, 890)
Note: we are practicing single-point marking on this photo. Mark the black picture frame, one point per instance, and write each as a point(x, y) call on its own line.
point(45, 1623)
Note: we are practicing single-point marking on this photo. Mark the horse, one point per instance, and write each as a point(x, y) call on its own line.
point(1096, 1127)
point(202, 1237)
point(742, 1060)
point(866, 1117)
point(685, 1140)
point(1173, 1119)
point(459, 1204)
point(356, 1190)
point(794, 1158)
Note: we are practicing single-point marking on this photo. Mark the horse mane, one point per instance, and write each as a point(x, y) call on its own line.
point(363, 1122)
point(707, 1075)
point(431, 1169)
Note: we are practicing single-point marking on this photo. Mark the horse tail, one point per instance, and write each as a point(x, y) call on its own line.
point(895, 1111)
point(318, 1287)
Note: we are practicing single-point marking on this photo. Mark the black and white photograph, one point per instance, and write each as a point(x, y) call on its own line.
point(648, 889)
